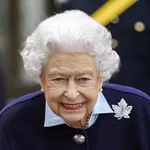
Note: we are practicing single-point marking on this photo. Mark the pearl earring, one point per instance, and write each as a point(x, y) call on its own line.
point(100, 90)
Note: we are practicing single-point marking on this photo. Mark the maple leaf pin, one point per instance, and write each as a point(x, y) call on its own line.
point(122, 110)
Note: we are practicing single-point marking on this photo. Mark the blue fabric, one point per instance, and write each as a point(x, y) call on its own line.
point(22, 125)
point(101, 107)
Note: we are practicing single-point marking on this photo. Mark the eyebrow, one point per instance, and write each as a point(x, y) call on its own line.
point(54, 72)
point(57, 73)
point(85, 72)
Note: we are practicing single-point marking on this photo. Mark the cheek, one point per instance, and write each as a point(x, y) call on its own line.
point(51, 88)
point(52, 96)
point(92, 95)
point(54, 106)
point(91, 91)
point(97, 84)
point(93, 88)
point(52, 93)
point(49, 85)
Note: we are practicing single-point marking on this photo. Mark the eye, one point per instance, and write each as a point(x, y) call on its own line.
point(59, 79)
point(83, 79)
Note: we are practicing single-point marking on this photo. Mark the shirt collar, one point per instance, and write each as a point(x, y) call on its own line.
point(101, 107)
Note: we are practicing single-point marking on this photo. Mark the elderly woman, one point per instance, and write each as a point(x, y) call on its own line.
point(71, 57)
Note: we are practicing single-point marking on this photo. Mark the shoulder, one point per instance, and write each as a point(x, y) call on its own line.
point(22, 116)
point(114, 93)
point(23, 105)
point(133, 111)
point(120, 89)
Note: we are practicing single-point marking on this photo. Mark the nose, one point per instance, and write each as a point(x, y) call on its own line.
point(71, 90)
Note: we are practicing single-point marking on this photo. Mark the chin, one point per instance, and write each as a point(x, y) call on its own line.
point(72, 119)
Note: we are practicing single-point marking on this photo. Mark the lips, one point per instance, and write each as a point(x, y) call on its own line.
point(73, 106)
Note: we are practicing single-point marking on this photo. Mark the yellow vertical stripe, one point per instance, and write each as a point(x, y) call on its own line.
point(111, 9)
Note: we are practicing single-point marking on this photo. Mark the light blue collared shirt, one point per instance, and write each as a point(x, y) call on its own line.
point(101, 107)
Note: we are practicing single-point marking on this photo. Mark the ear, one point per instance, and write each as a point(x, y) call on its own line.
point(100, 82)
point(42, 80)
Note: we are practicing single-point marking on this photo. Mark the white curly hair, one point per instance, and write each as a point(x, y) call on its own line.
point(71, 28)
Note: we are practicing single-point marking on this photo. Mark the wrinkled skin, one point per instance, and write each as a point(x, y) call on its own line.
point(71, 83)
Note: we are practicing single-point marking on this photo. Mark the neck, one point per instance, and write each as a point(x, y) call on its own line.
point(77, 124)
point(81, 123)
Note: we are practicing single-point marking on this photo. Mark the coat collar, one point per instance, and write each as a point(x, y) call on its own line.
point(101, 107)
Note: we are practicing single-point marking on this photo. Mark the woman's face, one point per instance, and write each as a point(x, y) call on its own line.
point(71, 84)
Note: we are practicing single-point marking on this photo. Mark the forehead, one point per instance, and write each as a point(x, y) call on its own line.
point(72, 61)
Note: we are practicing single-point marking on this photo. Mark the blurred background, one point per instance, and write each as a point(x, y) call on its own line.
point(130, 28)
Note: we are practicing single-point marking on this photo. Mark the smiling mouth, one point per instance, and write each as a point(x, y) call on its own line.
point(72, 106)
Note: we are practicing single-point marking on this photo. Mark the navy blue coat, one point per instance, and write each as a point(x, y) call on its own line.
point(21, 125)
